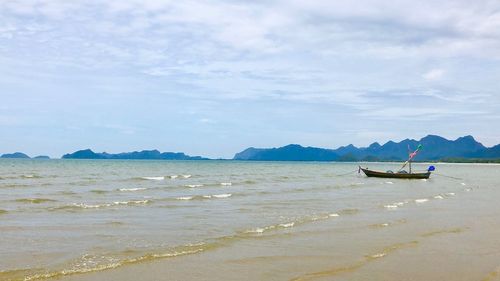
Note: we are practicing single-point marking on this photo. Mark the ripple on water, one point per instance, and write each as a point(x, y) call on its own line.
point(93, 263)
point(35, 200)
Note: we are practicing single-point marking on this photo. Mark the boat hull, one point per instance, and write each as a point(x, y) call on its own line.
point(377, 174)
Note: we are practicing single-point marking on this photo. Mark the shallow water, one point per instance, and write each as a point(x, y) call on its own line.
point(88, 220)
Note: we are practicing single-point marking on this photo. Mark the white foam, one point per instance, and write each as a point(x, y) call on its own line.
point(400, 203)
point(257, 230)
point(153, 178)
point(438, 197)
point(320, 218)
point(424, 179)
point(193, 185)
point(333, 215)
point(378, 255)
point(384, 224)
point(186, 176)
point(226, 183)
point(463, 183)
point(389, 182)
point(224, 195)
point(173, 176)
point(260, 229)
point(131, 202)
point(421, 200)
point(391, 206)
point(450, 193)
point(87, 206)
point(286, 225)
point(184, 198)
point(468, 189)
point(132, 189)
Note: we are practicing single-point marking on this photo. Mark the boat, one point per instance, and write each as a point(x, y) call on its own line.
point(401, 174)
point(398, 175)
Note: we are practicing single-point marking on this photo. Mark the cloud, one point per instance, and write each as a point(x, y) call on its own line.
point(363, 61)
point(433, 74)
point(207, 121)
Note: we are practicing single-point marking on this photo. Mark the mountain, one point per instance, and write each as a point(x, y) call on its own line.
point(41, 157)
point(15, 155)
point(144, 155)
point(292, 152)
point(434, 148)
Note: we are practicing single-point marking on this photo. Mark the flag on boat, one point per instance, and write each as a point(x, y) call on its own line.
point(414, 153)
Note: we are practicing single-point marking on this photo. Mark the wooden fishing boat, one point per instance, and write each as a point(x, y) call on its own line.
point(398, 175)
point(401, 174)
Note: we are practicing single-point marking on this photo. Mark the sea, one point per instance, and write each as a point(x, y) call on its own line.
point(231, 220)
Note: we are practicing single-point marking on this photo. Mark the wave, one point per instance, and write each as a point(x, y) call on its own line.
point(31, 176)
point(201, 197)
point(396, 204)
point(94, 263)
point(132, 189)
point(152, 178)
point(3, 212)
point(419, 201)
point(193, 185)
point(133, 202)
point(35, 200)
point(77, 206)
point(226, 183)
point(160, 178)
point(309, 219)
point(224, 195)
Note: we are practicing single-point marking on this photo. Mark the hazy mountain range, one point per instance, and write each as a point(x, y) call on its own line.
point(434, 148)
point(144, 154)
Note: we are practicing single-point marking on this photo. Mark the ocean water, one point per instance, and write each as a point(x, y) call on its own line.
point(105, 220)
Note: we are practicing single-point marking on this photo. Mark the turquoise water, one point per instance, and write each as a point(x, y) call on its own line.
point(65, 217)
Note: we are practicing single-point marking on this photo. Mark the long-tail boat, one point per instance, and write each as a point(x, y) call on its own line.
point(401, 174)
point(398, 175)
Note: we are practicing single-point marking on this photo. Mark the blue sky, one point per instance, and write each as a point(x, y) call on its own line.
point(214, 77)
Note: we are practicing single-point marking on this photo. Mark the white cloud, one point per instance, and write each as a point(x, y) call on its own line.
point(433, 74)
point(207, 121)
point(365, 60)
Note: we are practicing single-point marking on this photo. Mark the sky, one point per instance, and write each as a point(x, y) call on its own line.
point(212, 78)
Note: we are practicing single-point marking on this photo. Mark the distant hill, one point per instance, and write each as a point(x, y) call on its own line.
point(41, 157)
point(292, 152)
point(144, 155)
point(15, 155)
point(434, 148)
